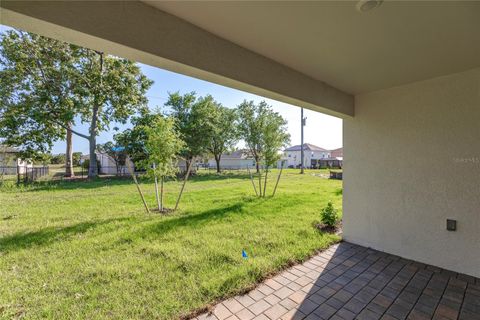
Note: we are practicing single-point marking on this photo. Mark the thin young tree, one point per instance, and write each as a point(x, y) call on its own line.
point(275, 137)
point(192, 122)
point(251, 119)
point(162, 146)
point(265, 133)
point(223, 132)
point(134, 138)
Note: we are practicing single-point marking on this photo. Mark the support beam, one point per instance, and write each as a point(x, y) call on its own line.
point(134, 30)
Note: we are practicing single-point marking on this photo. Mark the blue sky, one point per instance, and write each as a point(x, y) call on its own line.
point(322, 130)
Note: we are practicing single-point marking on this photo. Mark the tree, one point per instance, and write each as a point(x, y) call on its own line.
point(58, 158)
point(116, 152)
point(162, 146)
point(114, 90)
point(76, 157)
point(222, 125)
point(42, 158)
point(275, 137)
point(37, 103)
point(192, 122)
point(134, 139)
point(265, 133)
point(49, 85)
point(263, 130)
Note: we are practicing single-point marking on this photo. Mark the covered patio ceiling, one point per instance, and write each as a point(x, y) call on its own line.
point(316, 55)
point(396, 43)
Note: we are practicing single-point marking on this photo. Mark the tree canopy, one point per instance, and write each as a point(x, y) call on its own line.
point(48, 86)
point(222, 129)
point(263, 130)
point(162, 146)
point(192, 122)
point(36, 89)
point(134, 139)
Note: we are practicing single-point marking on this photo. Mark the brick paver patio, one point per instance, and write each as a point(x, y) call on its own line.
point(353, 282)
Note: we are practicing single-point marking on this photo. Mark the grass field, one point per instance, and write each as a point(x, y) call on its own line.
point(88, 250)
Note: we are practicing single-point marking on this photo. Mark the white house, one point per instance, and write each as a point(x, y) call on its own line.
point(107, 164)
point(11, 163)
point(239, 159)
point(311, 152)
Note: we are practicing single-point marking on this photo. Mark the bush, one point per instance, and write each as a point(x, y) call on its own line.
point(86, 165)
point(76, 157)
point(58, 159)
point(329, 215)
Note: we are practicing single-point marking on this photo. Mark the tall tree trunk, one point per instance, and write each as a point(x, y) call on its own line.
point(69, 154)
point(92, 140)
point(257, 164)
point(92, 169)
point(217, 160)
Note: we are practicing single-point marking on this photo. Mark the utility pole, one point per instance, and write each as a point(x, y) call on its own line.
point(303, 120)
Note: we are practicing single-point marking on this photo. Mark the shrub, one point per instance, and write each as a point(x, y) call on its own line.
point(329, 215)
point(86, 164)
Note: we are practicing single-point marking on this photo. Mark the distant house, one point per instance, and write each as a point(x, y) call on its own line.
point(337, 153)
point(10, 161)
point(108, 165)
point(314, 156)
point(311, 152)
point(239, 159)
point(334, 161)
point(8, 156)
point(183, 167)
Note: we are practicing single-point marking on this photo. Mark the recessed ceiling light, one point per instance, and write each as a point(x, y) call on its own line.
point(367, 5)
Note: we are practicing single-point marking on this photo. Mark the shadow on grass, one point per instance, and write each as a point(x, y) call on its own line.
point(213, 176)
point(48, 235)
point(69, 184)
point(113, 181)
point(194, 220)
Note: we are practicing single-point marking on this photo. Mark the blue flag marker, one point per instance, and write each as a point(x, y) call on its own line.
point(244, 254)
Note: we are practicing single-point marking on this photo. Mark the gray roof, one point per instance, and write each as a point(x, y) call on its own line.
point(306, 147)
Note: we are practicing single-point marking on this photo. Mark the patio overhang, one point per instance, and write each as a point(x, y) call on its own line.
point(135, 30)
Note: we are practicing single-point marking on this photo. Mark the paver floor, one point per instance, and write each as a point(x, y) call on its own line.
point(348, 281)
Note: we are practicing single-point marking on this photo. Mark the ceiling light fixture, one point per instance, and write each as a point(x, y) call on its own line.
point(367, 5)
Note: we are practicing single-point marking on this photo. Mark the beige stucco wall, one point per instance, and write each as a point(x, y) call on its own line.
point(412, 160)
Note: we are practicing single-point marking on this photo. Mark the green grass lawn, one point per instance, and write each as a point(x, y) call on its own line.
point(88, 250)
